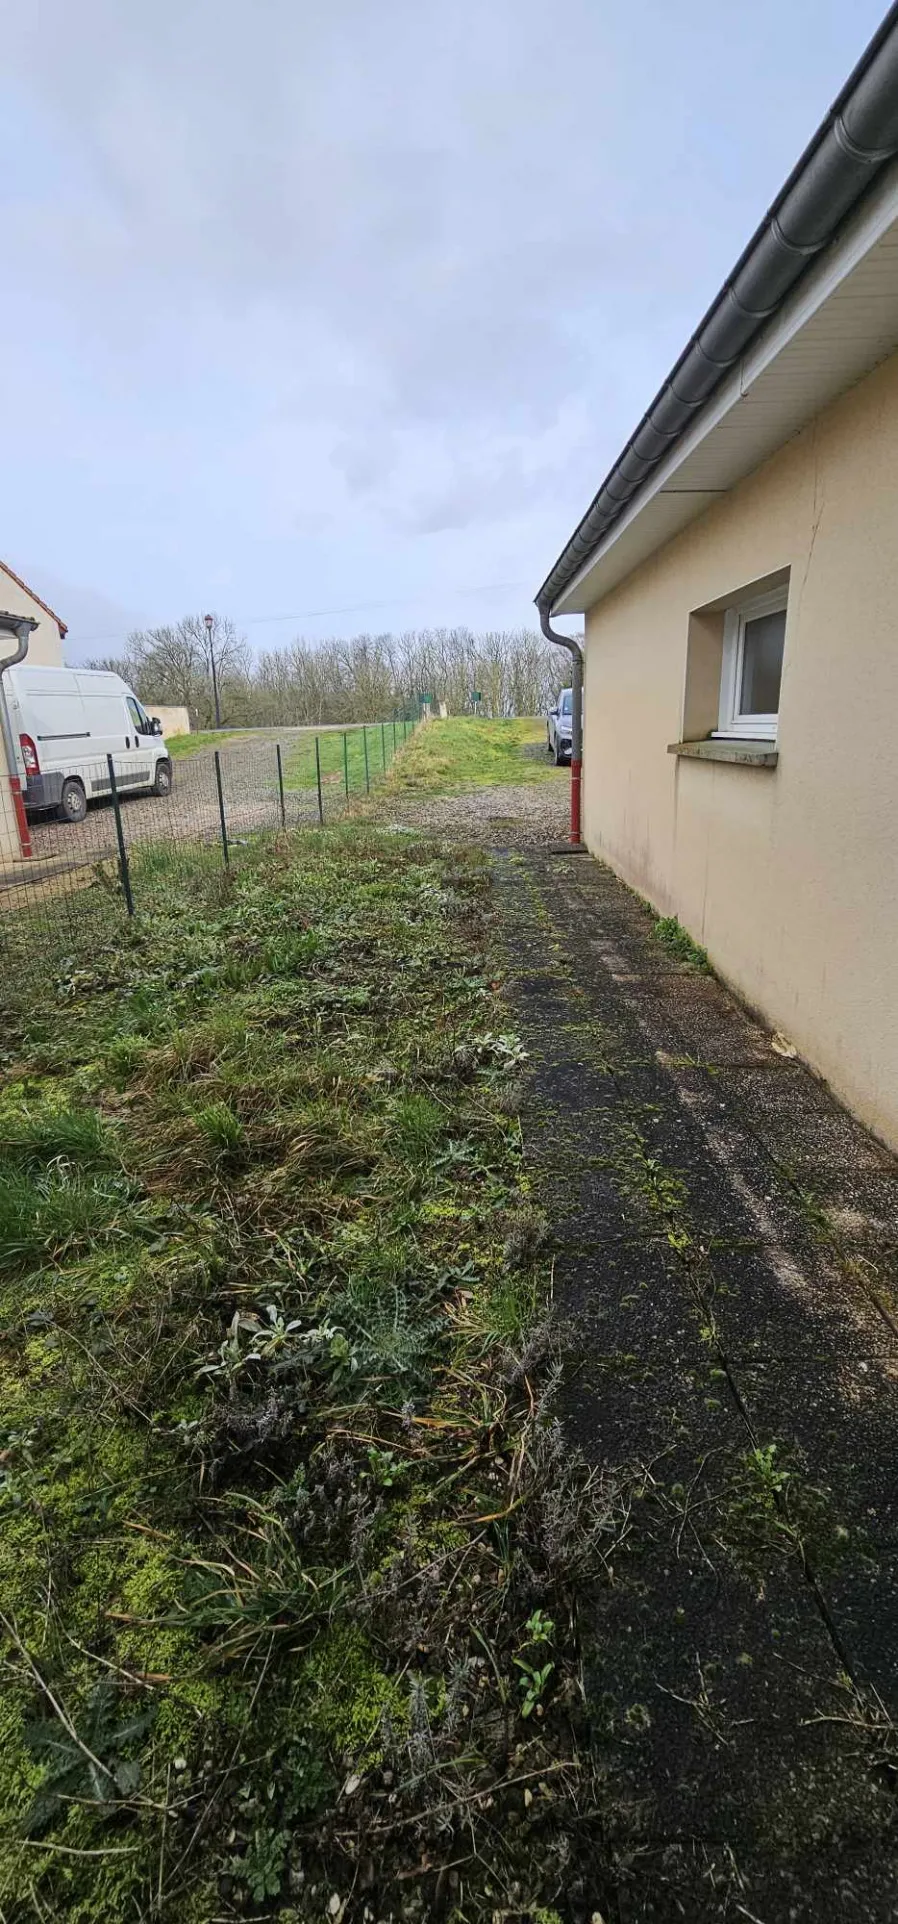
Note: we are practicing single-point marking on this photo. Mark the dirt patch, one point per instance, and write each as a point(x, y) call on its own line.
point(512, 816)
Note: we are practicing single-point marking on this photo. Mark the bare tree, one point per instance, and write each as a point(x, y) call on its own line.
point(173, 664)
point(363, 677)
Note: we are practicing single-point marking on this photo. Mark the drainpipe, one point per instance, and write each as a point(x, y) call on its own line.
point(576, 654)
point(23, 627)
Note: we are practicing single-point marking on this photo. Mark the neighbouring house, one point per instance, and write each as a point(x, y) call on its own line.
point(45, 648)
point(738, 572)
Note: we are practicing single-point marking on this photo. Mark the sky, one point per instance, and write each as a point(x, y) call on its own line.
point(334, 318)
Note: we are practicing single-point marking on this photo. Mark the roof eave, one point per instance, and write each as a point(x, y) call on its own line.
point(61, 625)
point(840, 322)
point(833, 175)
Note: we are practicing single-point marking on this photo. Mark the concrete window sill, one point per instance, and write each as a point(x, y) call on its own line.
point(747, 754)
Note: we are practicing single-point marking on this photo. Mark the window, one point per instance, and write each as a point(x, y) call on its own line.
point(564, 702)
point(753, 636)
point(138, 716)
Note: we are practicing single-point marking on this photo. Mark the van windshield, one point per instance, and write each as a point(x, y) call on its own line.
point(564, 702)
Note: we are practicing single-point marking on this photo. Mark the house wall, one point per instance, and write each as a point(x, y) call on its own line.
point(45, 648)
point(789, 877)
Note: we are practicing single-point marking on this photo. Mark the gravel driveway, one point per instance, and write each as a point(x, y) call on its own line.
point(189, 814)
point(514, 815)
point(519, 815)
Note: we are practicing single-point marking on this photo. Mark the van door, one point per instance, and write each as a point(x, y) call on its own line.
point(112, 731)
point(144, 743)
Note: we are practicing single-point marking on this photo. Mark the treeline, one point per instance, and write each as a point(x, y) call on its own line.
point(364, 678)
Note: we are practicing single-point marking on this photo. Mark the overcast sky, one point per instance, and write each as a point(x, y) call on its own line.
point(341, 313)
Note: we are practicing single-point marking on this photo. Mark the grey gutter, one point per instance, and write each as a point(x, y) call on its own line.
point(22, 626)
point(576, 653)
point(858, 136)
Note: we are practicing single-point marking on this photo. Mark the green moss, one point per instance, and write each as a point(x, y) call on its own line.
point(349, 1694)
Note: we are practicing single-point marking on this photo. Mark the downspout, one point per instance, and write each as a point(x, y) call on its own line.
point(22, 626)
point(576, 654)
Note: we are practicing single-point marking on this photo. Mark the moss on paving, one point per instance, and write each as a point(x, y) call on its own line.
point(290, 1545)
point(743, 1754)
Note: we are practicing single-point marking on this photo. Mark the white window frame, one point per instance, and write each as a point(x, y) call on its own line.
point(731, 722)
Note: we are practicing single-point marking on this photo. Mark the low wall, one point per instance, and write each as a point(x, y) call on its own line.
point(175, 721)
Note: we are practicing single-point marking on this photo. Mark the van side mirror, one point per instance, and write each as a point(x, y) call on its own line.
point(155, 725)
point(554, 713)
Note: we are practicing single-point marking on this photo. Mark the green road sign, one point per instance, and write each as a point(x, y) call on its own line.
point(476, 694)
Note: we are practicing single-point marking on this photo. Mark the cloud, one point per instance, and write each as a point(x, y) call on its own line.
point(351, 277)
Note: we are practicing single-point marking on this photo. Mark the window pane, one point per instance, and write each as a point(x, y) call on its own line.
point(565, 705)
point(762, 664)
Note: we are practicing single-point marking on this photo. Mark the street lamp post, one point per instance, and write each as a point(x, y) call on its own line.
point(210, 625)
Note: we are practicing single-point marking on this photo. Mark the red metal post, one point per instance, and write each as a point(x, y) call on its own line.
point(15, 789)
point(576, 773)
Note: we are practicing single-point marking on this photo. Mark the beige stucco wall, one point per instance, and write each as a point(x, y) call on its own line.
point(45, 647)
point(788, 877)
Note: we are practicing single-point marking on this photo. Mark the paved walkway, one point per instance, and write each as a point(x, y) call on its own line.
point(727, 1254)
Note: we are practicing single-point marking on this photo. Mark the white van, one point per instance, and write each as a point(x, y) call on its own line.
point(65, 722)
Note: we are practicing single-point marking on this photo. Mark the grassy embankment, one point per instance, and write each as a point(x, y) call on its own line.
point(449, 757)
point(289, 1548)
point(444, 757)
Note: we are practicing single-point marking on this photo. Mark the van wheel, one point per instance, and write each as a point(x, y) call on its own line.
point(72, 801)
point(162, 783)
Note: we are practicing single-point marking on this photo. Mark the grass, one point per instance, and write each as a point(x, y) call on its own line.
point(299, 757)
point(669, 931)
point(182, 746)
point(282, 1497)
point(443, 758)
point(450, 757)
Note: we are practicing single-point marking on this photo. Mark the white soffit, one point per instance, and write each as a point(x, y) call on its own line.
point(838, 325)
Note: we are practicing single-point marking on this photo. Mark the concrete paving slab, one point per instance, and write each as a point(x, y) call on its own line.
point(732, 1372)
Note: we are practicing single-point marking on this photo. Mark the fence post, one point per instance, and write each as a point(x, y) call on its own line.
point(277, 750)
point(124, 870)
point(318, 781)
point(221, 811)
point(346, 763)
point(367, 769)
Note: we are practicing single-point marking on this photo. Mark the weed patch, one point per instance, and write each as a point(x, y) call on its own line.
point(668, 930)
point(291, 1543)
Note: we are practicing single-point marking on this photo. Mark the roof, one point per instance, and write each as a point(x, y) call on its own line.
point(61, 625)
point(813, 219)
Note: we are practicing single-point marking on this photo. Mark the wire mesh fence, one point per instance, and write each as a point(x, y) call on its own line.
point(69, 877)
